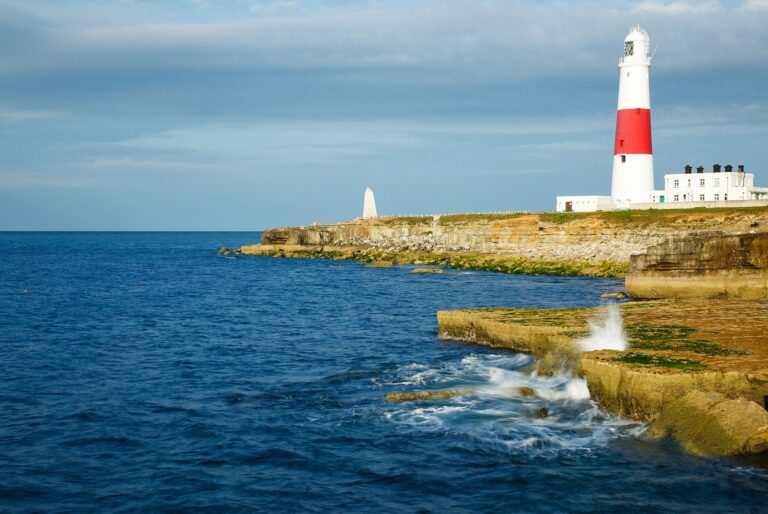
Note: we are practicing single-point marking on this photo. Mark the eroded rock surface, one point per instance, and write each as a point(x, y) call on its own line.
point(710, 424)
point(712, 265)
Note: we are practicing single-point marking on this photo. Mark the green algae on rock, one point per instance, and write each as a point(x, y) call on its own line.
point(458, 260)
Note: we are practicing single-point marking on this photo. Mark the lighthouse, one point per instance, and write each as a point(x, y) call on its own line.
point(632, 180)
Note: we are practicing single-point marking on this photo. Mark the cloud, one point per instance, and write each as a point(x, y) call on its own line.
point(680, 6)
point(23, 116)
point(755, 5)
point(30, 179)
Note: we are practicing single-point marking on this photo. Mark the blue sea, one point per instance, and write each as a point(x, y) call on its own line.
point(146, 372)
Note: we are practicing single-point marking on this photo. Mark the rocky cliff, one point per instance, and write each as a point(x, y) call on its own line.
point(593, 237)
point(709, 265)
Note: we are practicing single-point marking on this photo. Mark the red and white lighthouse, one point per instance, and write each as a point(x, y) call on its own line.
point(632, 180)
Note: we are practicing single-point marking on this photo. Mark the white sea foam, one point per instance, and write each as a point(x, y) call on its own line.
point(607, 333)
point(494, 414)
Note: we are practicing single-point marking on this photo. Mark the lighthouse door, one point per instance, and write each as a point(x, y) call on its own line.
point(568, 206)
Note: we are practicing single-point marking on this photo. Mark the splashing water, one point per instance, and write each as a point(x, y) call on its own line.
point(495, 414)
point(606, 334)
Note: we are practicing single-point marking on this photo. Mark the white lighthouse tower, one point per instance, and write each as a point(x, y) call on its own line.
point(632, 180)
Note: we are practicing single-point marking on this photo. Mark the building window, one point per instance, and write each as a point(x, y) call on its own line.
point(677, 198)
point(623, 158)
point(677, 184)
point(725, 197)
point(717, 182)
point(717, 197)
point(701, 198)
point(701, 182)
point(689, 182)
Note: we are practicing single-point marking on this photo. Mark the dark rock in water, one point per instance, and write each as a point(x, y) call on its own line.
point(224, 250)
point(619, 295)
point(542, 413)
point(426, 395)
point(525, 392)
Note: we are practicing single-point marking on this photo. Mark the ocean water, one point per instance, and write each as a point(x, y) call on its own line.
point(145, 372)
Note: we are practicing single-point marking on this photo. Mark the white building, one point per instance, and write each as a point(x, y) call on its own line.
point(694, 187)
point(584, 203)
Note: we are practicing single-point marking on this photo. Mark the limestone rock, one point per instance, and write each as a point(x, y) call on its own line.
point(619, 295)
point(425, 395)
point(525, 392)
point(709, 424)
point(379, 264)
point(427, 270)
point(712, 265)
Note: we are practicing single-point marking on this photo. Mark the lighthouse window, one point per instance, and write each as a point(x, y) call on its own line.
point(629, 48)
point(623, 158)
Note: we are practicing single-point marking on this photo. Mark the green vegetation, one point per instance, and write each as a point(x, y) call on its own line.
point(646, 336)
point(451, 219)
point(403, 220)
point(640, 218)
point(660, 361)
point(468, 261)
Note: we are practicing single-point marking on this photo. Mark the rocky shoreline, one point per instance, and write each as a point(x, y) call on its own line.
point(673, 351)
point(696, 358)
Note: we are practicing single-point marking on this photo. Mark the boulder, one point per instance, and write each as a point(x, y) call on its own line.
point(525, 392)
point(711, 425)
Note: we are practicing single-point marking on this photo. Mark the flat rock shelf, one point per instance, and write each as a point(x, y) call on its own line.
point(676, 347)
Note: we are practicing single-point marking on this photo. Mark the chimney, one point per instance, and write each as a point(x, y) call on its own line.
point(688, 168)
point(741, 168)
point(700, 169)
point(728, 168)
point(715, 168)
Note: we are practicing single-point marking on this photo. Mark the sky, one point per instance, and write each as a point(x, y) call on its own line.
point(243, 114)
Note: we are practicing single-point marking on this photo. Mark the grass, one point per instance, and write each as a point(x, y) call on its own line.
point(404, 220)
point(660, 361)
point(645, 336)
point(451, 219)
point(627, 217)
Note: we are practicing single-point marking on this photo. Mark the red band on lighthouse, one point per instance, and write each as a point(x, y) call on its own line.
point(633, 132)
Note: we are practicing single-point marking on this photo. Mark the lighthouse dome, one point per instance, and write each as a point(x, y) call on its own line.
point(637, 47)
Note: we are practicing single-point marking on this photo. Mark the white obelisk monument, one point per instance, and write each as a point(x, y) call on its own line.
point(369, 204)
